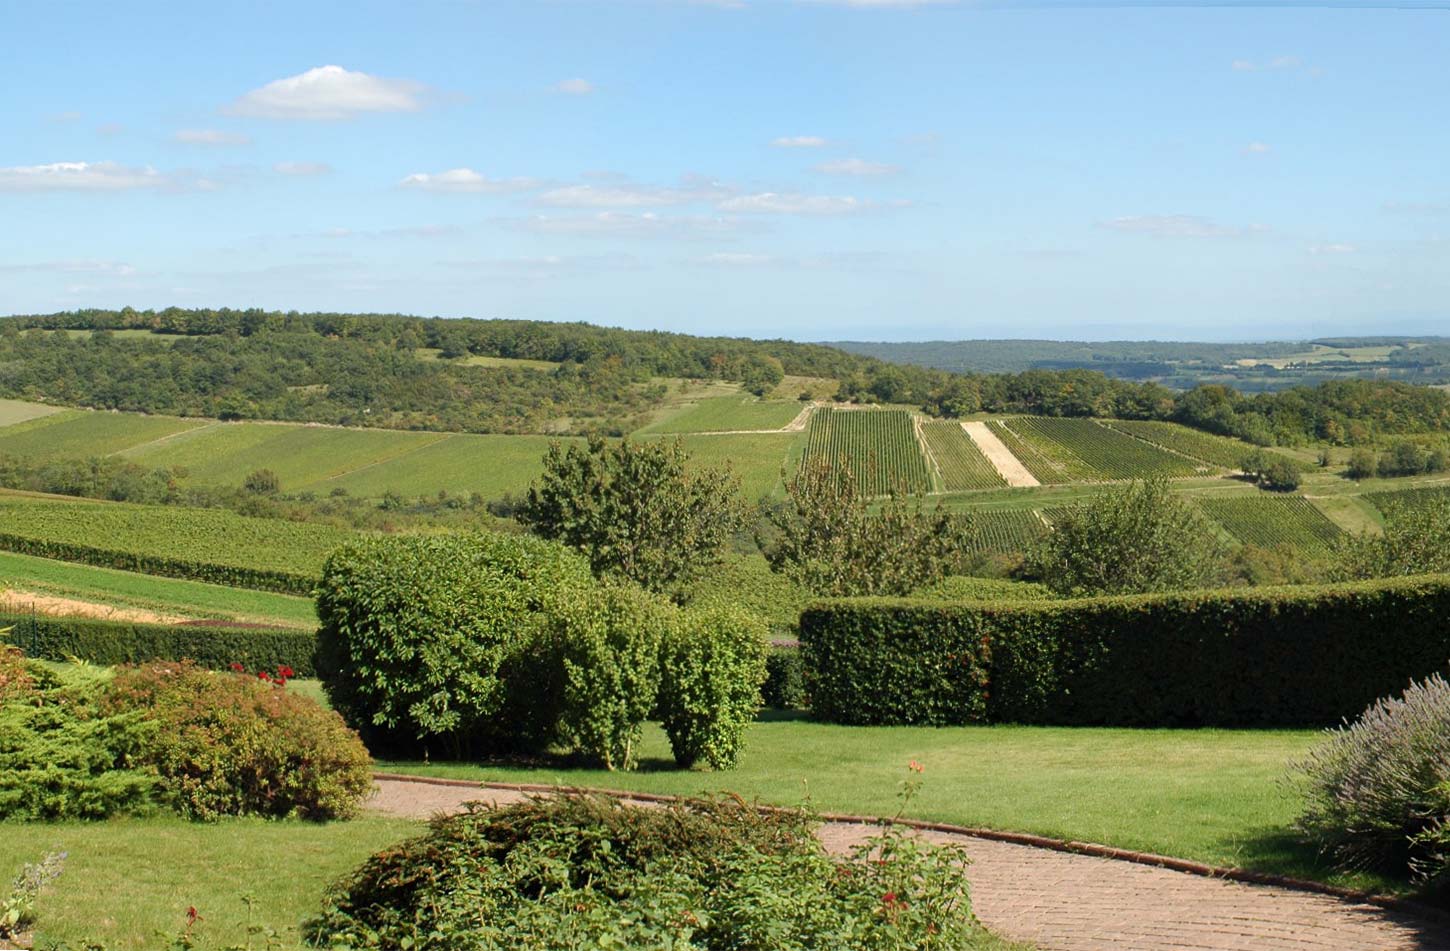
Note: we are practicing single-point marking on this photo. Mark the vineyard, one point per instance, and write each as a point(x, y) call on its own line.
point(1086, 451)
point(81, 433)
point(1219, 451)
point(211, 545)
point(879, 445)
point(960, 462)
point(1044, 468)
point(1005, 530)
point(1408, 499)
point(1272, 520)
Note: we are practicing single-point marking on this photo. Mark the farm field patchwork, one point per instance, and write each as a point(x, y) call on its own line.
point(757, 458)
point(726, 413)
point(958, 460)
point(1218, 451)
point(1092, 452)
point(202, 536)
point(1271, 520)
point(881, 446)
point(79, 434)
point(125, 589)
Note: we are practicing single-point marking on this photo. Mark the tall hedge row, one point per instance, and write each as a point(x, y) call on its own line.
point(113, 642)
point(260, 579)
point(1258, 657)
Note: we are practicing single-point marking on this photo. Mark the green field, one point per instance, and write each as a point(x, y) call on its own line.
point(207, 536)
point(1388, 502)
point(959, 462)
point(1217, 451)
point(19, 411)
point(1272, 520)
point(725, 414)
point(757, 458)
point(1082, 449)
point(880, 445)
point(189, 599)
point(74, 434)
point(433, 354)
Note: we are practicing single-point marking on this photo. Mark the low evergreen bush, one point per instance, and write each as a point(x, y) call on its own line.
point(698, 876)
point(711, 673)
point(227, 744)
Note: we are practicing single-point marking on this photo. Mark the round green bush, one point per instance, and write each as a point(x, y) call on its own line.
point(711, 672)
point(233, 744)
point(573, 872)
point(419, 634)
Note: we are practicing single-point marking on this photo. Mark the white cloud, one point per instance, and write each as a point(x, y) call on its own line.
point(1338, 247)
point(616, 224)
point(575, 87)
point(1179, 226)
point(857, 167)
point(301, 169)
point(211, 137)
point(799, 142)
point(80, 176)
point(466, 180)
point(786, 203)
point(626, 195)
point(328, 93)
point(115, 268)
point(1258, 148)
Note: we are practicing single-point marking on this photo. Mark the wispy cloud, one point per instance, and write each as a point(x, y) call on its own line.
point(857, 167)
point(627, 195)
point(302, 169)
point(329, 93)
point(82, 176)
point(800, 142)
point(1179, 226)
point(466, 180)
point(574, 87)
point(789, 203)
point(1258, 148)
point(211, 137)
point(1337, 247)
point(619, 224)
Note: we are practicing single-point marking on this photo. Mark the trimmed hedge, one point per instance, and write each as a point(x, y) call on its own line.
point(1259, 657)
point(784, 687)
point(259, 579)
point(112, 642)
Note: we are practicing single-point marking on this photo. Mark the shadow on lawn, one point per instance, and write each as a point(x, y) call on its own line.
point(1281, 851)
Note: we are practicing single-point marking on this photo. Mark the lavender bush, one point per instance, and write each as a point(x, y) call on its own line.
point(1377, 791)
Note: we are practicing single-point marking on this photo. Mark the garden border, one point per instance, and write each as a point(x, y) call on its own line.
point(1186, 866)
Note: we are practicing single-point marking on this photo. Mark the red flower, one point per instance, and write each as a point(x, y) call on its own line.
point(889, 898)
point(236, 667)
point(916, 767)
point(191, 915)
point(284, 672)
point(263, 675)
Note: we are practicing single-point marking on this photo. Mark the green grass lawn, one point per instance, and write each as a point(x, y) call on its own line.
point(165, 595)
point(1217, 796)
point(127, 883)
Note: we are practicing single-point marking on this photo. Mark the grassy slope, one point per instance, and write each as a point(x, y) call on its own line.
point(166, 595)
point(1213, 795)
point(81, 433)
point(18, 411)
point(725, 413)
point(757, 458)
point(128, 882)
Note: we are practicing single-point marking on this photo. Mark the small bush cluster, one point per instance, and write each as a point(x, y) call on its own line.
point(1377, 791)
point(462, 645)
point(696, 876)
point(1238, 657)
point(235, 744)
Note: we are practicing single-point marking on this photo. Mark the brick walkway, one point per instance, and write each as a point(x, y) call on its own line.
point(1061, 901)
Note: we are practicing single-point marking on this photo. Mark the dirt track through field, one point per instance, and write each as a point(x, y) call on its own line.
point(1008, 466)
point(1064, 901)
point(50, 605)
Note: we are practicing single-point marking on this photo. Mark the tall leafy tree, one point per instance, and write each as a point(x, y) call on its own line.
point(637, 510)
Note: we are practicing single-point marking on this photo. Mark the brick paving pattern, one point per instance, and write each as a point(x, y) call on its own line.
point(1061, 901)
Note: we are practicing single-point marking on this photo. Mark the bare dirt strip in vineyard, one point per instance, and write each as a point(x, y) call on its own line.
point(1007, 465)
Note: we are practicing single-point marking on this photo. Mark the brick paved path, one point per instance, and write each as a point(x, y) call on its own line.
point(1062, 901)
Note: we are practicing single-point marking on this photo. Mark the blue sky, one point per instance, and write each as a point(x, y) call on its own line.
point(862, 169)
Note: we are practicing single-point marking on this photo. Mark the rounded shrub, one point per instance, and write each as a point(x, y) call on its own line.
point(574, 872)
point(711, 672)
point(231, 744)
point(606, 644)
point(418, 633)
point(1377, 791)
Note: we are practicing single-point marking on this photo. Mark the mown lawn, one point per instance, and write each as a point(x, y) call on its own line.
point(128, 883)
point(1216, 796)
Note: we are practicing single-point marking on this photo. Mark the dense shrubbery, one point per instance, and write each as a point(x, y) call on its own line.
point(784, 687)
point(231, 744)
point(712, 670)
point(61, 755)
point(698, 876)
point(1129, 540)
point(1290, 656)
point(1377, 790)
point(1415, 540)
point(417, 633)
point(122, 642)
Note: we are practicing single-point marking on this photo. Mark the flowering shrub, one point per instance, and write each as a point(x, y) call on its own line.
point(578, 872)
point(239, 744)
point(1377, 791)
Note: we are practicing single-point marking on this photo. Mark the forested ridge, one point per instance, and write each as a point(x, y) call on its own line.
point(355, 369)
